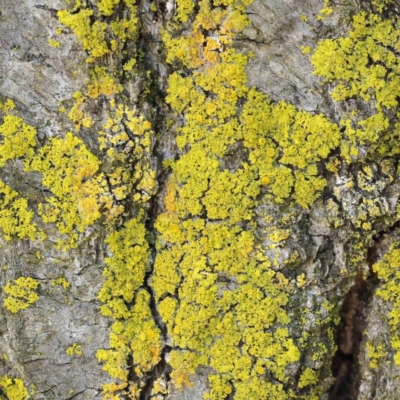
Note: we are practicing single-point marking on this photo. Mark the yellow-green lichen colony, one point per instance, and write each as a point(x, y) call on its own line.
point(208, 271)
point(84, 191)
point(216, 280)
point(74, 350)
point(12, 388)
point(221, 298)
point(125, 143)
point(387, 271)
point(100, 38)
point(134, 332)
point(365, 65)
point(20, 294)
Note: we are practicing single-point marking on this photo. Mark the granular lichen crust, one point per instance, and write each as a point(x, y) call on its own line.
point(228, 224)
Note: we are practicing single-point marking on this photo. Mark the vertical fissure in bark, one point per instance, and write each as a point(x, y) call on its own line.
point(149, 42)
point(350, 333)
point(345, 366)
point(162, 369)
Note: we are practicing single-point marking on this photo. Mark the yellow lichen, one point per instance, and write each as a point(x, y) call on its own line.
point(128, 66)
point(54, 43)
point(327, 10)
point(125, 142)
point(364, 65)
point(102, 83)
point(74, 350)
point(308, 377)
point(7, 106)
point(61, 281)
point(376, 353)
point(70, 171)
point(106, 7)
point(301, 280)
point(381, 5)
point(387, 271)
point(20, 294)
point(18, 139)
point(285, 148)
point(214, 283)
point(91, 36)
point(13, 388)
point(222, 299)
point(15, 216)
point(134, 331)
point(76, 115)
point(184, 9)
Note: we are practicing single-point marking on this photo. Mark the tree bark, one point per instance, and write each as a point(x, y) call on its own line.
point(332, 332)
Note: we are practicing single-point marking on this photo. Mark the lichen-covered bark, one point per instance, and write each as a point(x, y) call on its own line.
point(198, 200)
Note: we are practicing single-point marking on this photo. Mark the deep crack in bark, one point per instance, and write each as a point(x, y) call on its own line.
point(354, 312)
point(149, 44)
point(162, 368)
point(345, 366)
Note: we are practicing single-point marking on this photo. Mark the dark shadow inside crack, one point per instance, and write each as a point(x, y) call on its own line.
point(349, 338)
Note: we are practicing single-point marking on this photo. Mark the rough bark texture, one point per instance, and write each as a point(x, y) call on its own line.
point(333, 315)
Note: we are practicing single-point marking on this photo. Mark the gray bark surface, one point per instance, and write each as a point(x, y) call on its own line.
point(37, 77)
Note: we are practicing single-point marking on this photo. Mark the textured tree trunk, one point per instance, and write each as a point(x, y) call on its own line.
point(224, 277)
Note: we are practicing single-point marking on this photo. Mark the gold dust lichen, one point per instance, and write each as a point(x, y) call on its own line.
point(126, 138)
point(16, 220)
point(18, 138)
point(212, 273)
point(387, 271)
point(134, 331)
point(74, 350)
point(364, 64)
point(20, 294)
point(61, 281)
point(91, 36)
point(13, 388)
point(70, 171)
point(106, 7)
